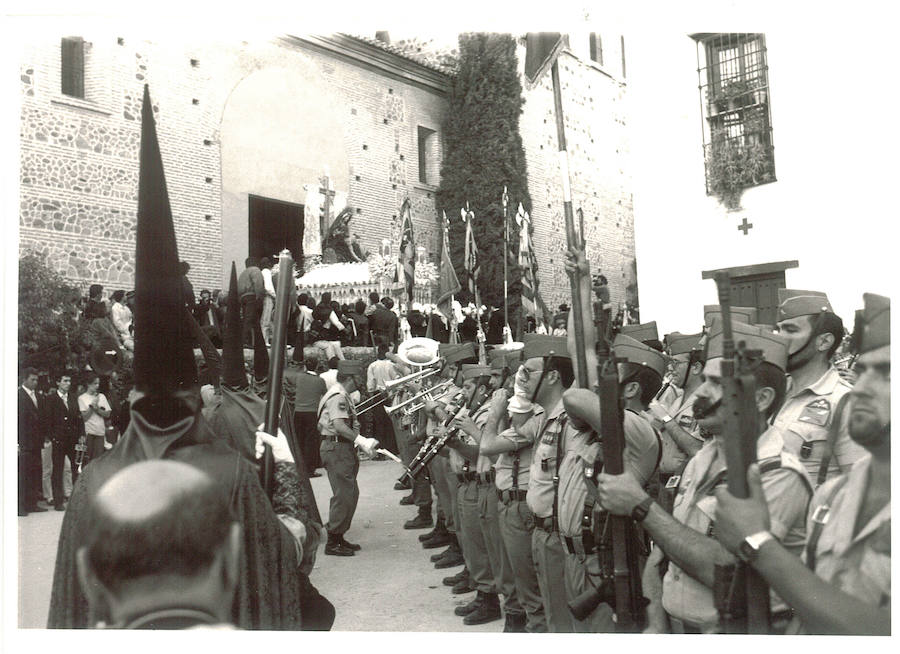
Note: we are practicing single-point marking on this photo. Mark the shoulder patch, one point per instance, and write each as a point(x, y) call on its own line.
point(816, 412)
point(342, 405)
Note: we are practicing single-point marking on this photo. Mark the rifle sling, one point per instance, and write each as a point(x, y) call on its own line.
point(831, 439)
point(819, 518)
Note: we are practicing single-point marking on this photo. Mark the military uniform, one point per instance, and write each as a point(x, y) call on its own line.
point(681, 410)
point(808, 414)
point(338, 453)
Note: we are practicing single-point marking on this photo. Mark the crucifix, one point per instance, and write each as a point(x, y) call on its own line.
point(745, 226)
point(327, 190)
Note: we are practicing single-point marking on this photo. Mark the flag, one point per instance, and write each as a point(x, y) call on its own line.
point(449, 283)
point(471, 252)
point(541, 50)
point(407, 250)
point(532, 303)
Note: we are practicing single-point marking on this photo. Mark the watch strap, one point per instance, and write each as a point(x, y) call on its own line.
point(640, 512)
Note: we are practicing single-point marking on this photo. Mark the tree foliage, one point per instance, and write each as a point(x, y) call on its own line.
point(50, 337)
point(483, 152)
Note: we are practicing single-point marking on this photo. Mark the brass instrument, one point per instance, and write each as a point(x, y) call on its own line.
point(391, 387)
point(433, 393)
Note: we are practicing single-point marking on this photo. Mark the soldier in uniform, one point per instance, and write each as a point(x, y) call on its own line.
point(845, 586)
point(812, 418)
point(640, 378)
point(646, 332)
point(686, 538)
point(540, 377)
point(340, 433)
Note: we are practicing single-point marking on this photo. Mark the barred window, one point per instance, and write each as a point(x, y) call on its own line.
point(737, 128)
point(72, 66)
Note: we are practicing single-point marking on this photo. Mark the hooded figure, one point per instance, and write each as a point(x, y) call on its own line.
point(166, 424)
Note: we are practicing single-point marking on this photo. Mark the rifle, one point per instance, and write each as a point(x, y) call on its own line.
point(741, 594)
point(276, 363)
point(431, 447)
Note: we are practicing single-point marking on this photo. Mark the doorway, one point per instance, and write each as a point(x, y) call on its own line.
point(273, 226)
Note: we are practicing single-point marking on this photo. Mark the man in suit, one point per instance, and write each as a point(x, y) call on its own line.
point(384, 323)
point(64, 428)
point(31, 440)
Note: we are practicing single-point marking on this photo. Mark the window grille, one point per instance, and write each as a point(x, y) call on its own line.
point(734, 92)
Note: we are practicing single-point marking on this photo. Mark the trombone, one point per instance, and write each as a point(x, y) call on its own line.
point(435, 392)
point(391, 387)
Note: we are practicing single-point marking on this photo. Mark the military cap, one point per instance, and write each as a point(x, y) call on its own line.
point(446, 348)
point(774, 346)
point(498, 363)
point(473, 370)
point(876, 322)
point(793, 303)
point(496, 354)
point(633, 351)
point(542, 345)
point(462, 352)
point(682, 343)
point(350, 367)
point(646, 331)
point(745, 315)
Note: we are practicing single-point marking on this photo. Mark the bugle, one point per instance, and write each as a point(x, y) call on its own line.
point(390, 387)
point(438, 390)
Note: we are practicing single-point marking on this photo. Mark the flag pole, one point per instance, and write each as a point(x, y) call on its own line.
point(505, 263)
point(572, 240)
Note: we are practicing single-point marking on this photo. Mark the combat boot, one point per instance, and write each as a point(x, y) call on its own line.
point(349, 545)
point(438, 528)
point(487, 611)
point(407, 500)
point(422, 519)
point(466, 609)
point(441, 539)
point(452, 558)
point(452, 543)
point(335, 547)
point(515, 623)
point(455, 579)
point(402, 486)
point(464, 586)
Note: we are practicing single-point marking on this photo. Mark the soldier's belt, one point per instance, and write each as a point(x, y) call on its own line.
point(580, 545)
point(486, 477)
point(466, 477)
point(544, 524)
point(507, 496)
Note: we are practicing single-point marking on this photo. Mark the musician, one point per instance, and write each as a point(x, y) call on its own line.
point(812, 418)
point(686, 538)
point(845, 587)
point(380, 371)
point(64, 428)
point(340, 433)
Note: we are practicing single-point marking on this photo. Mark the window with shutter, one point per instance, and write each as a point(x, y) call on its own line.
point(72, 66)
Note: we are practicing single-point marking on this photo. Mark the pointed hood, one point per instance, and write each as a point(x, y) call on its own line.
point(233, 375)
point(163, 356)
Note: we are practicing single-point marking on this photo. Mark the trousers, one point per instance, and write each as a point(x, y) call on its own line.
point(384, 429)
point(57, 476)
point(342, 465)
point(578, 579)
point(504, 577)
point(445, 487)
point(550, 565)
point(516, 525)
point(472, 540)
point(307, 432)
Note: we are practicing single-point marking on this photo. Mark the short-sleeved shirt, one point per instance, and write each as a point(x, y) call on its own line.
point(787, 490)
point(379, 372)
point(859, 564)
point(682, 413)
point(805, 419)
point(95, 425)
point(550, 433)
point(520, 458)
point(334, 405)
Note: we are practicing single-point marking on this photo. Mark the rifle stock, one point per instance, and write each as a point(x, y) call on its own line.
point(742, 596)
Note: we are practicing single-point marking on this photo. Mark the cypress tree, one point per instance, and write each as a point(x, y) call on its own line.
point(483, 152)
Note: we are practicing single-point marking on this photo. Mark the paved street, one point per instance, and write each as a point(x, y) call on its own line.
point(389, 586)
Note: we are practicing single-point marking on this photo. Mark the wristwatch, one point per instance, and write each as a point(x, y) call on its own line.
point(749, 547)
point(666, 420)
point(640, 512)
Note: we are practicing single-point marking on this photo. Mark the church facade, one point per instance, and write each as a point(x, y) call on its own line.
point(259, 139)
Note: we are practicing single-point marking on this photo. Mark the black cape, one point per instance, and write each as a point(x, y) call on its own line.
point(270, 588)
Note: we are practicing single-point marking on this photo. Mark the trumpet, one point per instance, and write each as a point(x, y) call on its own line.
point(433, 393)
point(391, 387)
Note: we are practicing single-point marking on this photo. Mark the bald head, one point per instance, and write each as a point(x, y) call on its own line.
point(156, 518)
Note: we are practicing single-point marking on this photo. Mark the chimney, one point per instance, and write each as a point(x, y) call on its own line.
point(384, 37)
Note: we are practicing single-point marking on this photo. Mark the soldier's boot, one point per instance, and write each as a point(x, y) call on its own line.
point(488, 611)
point(439, 527)
point(455, 579)
point(407, 500)
point(334, 546)
point(349, 545)
point(464, 586)
point(453, 557)
point(515, 623)
point(466, 609)
point(400, 485)
point(451, 542)
point(422, 519)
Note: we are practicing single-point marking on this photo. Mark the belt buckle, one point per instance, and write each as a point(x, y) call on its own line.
point(820, 515)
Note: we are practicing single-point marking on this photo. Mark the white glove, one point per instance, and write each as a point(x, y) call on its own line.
point(281, 451)
point(368, 445)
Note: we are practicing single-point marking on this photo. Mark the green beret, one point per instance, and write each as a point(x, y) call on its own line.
point(774, 346)
point(738, 314)
point(473, 370)
point(350, 367)
point(682, 343)
point(646, 331)
point(876, 322)
point(793, 303)
point(542, 345)
point(462, 352)
point(633, 351)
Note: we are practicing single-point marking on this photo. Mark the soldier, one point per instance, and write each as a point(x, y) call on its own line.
point(812, 418)
point(640, 377)
point(646, 333)
point(679, 431)
point(340, 433)
point(685, 538)
point(845, 587)
point(541, 378)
